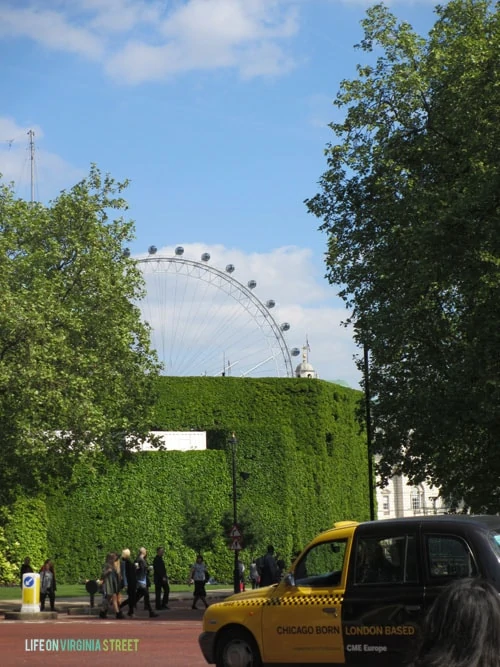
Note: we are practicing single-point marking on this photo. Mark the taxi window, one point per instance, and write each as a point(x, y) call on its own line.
point(449, 556)
point(322, 565)
point(386, 560)
point(495, 540)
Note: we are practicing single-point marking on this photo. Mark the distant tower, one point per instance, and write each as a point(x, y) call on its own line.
point(305, 369)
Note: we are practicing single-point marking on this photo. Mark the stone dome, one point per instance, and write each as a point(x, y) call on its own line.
point(305, 369)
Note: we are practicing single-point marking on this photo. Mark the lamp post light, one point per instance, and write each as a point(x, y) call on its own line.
point(236, 573)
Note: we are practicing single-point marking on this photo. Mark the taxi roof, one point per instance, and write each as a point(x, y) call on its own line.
point(484, 521)
point(477, 523)
point(487, 520)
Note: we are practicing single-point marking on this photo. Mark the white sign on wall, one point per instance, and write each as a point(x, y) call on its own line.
point(183, 441)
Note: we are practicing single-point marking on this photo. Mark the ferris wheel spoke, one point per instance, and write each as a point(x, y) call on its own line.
point(203, 321)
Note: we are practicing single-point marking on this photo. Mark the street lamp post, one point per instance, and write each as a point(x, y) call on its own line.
point(236, 573)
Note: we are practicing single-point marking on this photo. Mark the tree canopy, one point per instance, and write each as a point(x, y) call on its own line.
point(76, 368)
point(410, 205)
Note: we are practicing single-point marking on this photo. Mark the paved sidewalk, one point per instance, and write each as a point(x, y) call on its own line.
point(81, 605)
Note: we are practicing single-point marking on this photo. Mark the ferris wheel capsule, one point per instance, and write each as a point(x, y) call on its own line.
point(179, 250)
point(251, 284)
point(285, 326)
point(295, 351)
point(205, 257)
point(230, 268)
point(152, 250)
point(271, 303)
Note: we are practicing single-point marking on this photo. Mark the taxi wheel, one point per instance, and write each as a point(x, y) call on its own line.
point(237, 648)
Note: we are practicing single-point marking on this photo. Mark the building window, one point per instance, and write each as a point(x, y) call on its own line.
point(416, 504)
point(386, 504)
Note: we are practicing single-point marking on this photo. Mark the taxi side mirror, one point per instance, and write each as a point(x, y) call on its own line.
point(289, 579)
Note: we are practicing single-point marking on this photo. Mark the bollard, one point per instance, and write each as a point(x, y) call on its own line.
point(91, 586)
point(31, 592)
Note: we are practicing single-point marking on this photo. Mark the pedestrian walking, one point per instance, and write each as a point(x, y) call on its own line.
point(112, 585)
point(254, 574)
point(199, 576)
point(129, 580)
point(241, 573)
point(269, 573)
point(160, 578)
point(47, 585)
point(143, 581)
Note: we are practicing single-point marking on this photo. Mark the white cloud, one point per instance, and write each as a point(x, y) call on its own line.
point(51, 172)
point(202, 34)
point(51, 29)
point(121, 15)
point(229, 21)
point(265, 59)
point(137, 41)
point(199, 326)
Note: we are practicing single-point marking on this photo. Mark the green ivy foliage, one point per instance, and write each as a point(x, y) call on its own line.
point(26, 534)
point(9, 569)
point(298, 440)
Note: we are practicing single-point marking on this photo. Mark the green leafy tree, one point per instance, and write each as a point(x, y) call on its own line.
point(198, 530)
point(410, 204)
point(76, 369)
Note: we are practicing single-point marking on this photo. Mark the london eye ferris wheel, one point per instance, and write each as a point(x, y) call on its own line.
point(205, 322)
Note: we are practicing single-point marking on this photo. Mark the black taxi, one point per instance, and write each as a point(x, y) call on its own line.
point(356, 595)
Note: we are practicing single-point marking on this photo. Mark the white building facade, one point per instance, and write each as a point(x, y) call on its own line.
point(401, 499)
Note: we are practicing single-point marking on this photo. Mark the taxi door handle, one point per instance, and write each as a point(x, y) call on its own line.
point(413, 607)
point(331, 610)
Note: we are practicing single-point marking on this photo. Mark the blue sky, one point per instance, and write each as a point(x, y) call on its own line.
point(217, 111)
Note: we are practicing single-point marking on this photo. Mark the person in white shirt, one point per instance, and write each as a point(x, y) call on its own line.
point(254, 574)
point(199, 575)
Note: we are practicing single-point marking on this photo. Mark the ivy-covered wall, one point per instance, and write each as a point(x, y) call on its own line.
point(298, 440)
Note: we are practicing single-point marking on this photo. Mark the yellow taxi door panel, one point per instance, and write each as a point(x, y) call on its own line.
point(302, 624)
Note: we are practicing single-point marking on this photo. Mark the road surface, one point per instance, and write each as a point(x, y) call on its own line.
point(169, 640)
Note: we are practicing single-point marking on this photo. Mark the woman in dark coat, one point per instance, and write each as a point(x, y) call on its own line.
point(47, 585)
point(130, 581)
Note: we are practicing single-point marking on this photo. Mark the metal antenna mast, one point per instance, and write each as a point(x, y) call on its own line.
point(31, 135)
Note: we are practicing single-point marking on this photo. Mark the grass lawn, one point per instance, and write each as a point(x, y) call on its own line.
point(78, 590)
